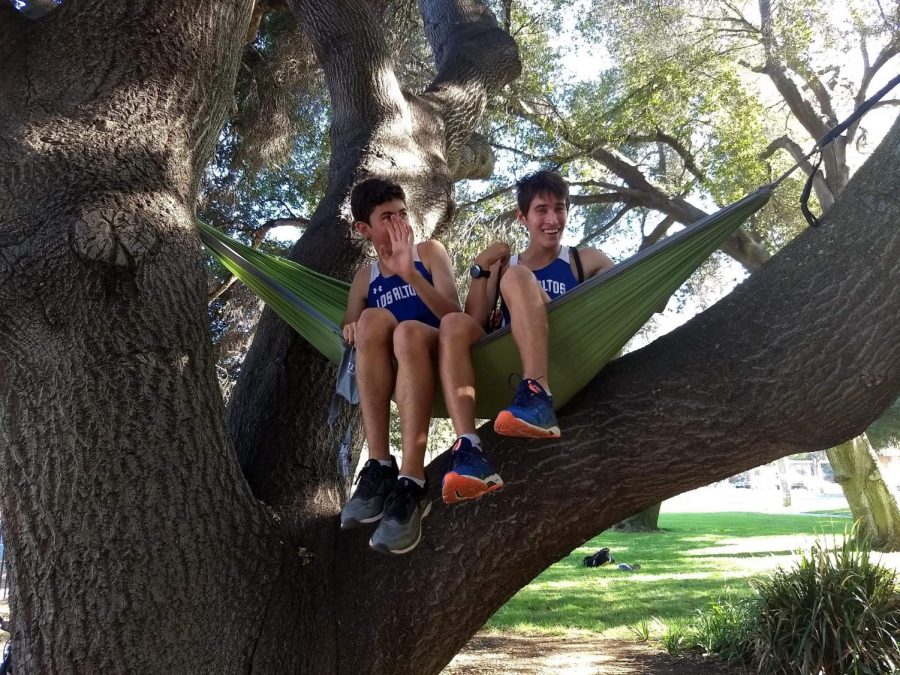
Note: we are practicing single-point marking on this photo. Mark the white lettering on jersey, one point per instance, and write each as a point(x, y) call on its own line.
point(396, 294)
point(553, 287)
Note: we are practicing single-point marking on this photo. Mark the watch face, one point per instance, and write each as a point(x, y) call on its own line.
point(475, 271)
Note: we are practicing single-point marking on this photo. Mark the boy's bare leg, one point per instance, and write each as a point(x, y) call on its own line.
point(471, 476)
point(415, 346)
point(458, 333)
point(375, 376)
point(526, 301)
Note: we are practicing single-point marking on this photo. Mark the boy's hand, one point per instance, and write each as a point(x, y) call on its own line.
point(350, 333)
point(498, 251)
point(400, 260)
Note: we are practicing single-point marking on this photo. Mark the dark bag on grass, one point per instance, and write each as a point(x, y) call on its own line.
point(598, 559)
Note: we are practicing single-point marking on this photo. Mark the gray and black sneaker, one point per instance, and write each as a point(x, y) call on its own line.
point(374, 483)
point(401, 528)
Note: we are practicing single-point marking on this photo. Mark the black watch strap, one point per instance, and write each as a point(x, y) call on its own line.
point(476, 271)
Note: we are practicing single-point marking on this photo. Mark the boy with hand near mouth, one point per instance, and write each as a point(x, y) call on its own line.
point(393, 313)
point(528, 281)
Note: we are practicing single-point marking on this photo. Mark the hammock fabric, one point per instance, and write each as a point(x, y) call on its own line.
point(588, 325)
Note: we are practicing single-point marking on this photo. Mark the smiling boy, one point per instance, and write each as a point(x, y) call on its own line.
point(393, 311)
point(528, 281)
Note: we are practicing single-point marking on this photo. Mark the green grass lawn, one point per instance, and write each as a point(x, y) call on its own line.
point(698, 558)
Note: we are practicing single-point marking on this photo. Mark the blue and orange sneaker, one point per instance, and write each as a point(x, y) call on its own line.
point(530, 415)
point(470, 476)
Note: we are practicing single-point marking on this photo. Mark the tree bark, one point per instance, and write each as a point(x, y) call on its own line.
point(132, 535)
point(135, 542)
point(871, 502)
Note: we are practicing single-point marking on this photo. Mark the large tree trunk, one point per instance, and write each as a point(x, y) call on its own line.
point(871, 502)
point(136, 545)
point(133, 536)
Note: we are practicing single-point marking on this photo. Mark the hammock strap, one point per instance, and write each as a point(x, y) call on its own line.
point(804, 196)
point(829, 138)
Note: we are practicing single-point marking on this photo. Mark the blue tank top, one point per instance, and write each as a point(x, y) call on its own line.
point(556, 278)
point(399, 297)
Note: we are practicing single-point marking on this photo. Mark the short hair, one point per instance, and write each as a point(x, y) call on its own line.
point(540, 183)
point(372, 192)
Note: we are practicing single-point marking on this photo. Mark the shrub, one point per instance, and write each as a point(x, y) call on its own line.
point(836, 612)
point(676, 637)
point(641, 631)
point(727, 629)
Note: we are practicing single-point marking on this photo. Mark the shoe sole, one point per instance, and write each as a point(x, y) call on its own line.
point(508, 425)
point(458, 488)
point(383, 548)
point(350, 524)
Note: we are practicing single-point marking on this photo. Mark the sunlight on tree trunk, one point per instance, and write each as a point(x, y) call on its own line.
point(871, 502)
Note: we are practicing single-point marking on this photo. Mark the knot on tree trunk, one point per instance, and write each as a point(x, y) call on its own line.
point(123, 235)
point(474, 159)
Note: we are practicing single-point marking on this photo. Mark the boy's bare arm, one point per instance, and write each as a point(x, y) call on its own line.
point(356, 303)
point(594, 261)
point(441, 297)
point(483, 292)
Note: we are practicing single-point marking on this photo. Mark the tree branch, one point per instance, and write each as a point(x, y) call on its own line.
point(217, 292)
point(607, 226)
point(801, 109)
point(823, 192)
point(657, 232)
point(815, 85)
point(474, 57)
point(889, 51)
point(262, 8)
point(686, 155)
point(488, 197)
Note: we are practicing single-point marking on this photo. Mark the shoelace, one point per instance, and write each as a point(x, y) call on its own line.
point(465, 455)
point(399, 501)
point(524, 396)
point(369, 479)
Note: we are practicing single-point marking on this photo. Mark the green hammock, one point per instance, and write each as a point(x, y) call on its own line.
point(588, 325)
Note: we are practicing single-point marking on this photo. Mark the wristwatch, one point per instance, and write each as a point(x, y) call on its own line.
point(476, 271)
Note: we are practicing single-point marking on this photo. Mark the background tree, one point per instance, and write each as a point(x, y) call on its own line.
point(677, 114)
point(136, 541)
point(856, 469)
point(871, 502)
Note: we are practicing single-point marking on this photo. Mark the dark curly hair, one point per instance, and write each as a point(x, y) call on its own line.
point(368, 194)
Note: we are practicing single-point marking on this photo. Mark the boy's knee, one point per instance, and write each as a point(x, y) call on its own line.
point(375, 325)
point(412, 337)
point(517, 277)
point(455, 325)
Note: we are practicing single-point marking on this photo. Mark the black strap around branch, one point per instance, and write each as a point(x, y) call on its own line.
point(828, 138)
point(804, 196)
